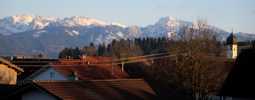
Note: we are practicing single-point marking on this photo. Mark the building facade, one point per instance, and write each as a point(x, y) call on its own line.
point(8, 72)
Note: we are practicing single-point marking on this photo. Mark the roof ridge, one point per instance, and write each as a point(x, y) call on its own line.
point(118, 79)
point(84, 80)
point(11, 65)
point(36, 81)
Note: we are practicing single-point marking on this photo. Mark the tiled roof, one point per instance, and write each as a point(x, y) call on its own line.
point(87, 72)
point(89, 68)
point(30, 66)
point(86, 60)
point(29, 71)
point(120, 89)
point(83, 70)
point(11, 65)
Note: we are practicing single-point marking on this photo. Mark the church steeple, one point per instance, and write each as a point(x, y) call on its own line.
point(232, 39)
point(231, 42)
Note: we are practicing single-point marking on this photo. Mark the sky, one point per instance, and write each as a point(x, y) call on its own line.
point(238, 15)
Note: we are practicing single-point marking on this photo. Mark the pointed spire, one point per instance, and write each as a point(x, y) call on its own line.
point(231, 39)
point(232, 31)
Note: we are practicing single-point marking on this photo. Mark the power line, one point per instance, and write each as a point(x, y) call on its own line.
point(109, 63)
point(114, 60)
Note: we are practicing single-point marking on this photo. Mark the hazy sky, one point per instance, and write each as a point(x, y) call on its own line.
point(226, 14)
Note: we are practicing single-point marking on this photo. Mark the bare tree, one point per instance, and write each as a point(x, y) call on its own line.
point(196, 50)
point(195, 71)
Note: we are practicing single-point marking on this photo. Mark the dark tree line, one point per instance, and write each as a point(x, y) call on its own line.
point(119, 48)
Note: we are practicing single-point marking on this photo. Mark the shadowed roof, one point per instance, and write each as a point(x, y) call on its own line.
point(120, 89)
point(30, 66)
point(87, 72)
point(240, 81)
point(88, 68)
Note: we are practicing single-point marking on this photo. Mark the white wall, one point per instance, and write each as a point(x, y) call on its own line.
point(49, 74)
point(7, 75)
point(232, 51)
point(37, 95)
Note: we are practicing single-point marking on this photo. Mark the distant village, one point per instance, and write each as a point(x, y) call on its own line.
point(129, 75)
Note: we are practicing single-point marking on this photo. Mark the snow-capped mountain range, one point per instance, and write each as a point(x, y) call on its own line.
point(17, 24)
point(25, 34)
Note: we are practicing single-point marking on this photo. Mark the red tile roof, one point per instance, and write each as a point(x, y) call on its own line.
point(66, 67)
point(86, 60)
point(94, 70)
point(30, 66)
point(88, 72)
point(121, 89)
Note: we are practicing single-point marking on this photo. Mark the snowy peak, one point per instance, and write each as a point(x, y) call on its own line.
point(168, 21)
point(22, 23)
point(20, 19)
point(118, 24)
point(15, 24)
point(81, 21)
point(40, 22)
point(166, 26)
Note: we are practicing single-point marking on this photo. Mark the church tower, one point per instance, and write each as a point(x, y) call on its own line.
point(232, 46)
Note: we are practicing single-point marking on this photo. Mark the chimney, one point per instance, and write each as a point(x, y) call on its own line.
point(73, 76)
